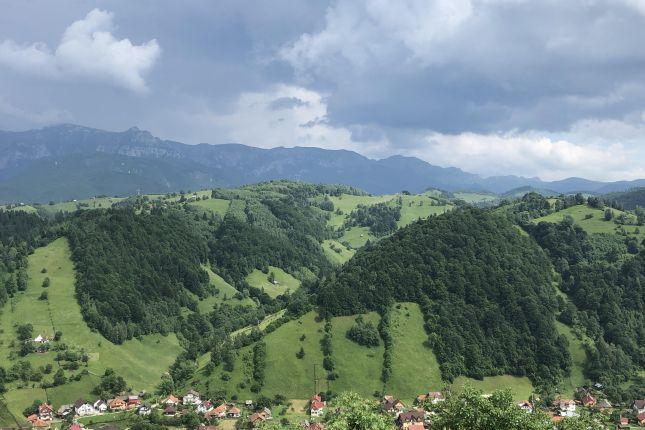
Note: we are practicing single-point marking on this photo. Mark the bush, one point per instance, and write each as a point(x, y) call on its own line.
point(364, 333)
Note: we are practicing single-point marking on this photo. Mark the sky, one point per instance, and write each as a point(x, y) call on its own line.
point(545, 88)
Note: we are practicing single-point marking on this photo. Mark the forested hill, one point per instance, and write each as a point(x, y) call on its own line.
point(485, 290)
point(628, 200)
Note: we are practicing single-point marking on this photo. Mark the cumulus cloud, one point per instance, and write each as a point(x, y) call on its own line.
point(283, 115)
point(528, 154)
point(87, 50)
point(474, 65)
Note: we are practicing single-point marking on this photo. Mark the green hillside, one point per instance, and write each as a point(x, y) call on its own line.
point(578, 359)
point(140, 361)
point(593, 221)
point(415, 369)
point(225, 293)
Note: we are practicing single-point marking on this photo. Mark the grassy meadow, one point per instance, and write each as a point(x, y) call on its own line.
point(521, 387)
point(140, 362)
point(596, 223)
point(338, 258)
point(285, 282)
point(415, 369)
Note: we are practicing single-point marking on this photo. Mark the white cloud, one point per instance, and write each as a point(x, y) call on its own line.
point(533, 154)
point(262, 119)
point(87, 50)
point(365, 33)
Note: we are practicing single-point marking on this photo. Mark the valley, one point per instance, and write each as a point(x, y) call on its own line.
point(268, 265)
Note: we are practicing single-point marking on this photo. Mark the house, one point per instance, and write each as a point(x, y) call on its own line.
point(41, 339)
point(392, 405)
point(641, 419)
point(417, 426)
point(32, 418)
point(259, 417)
point(144, 409)
point(233, 412)
point(75, 426)
point(100, 406)
point(405, 419)
point(170, 411)
point(315, 426)
point(171, 401)
point(638, 406)
point(191, 398)
point(603, 404)
point(45, 412)
point(624, 421)
point(117, 404)
point(567, 408)
point(218, 412)
point(82, 408)
point(204, 407)
point(40, 424)
point(64, 410)
point(433, 396)
point(317, 406)
point(526, 406)
point(132, 402)
point(588, 401)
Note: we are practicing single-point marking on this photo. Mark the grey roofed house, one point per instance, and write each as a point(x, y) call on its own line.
point(64, 410)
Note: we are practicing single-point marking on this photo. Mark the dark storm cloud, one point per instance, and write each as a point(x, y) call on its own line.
point(561, 81)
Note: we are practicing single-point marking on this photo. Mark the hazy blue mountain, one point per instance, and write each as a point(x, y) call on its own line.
point(70, 161)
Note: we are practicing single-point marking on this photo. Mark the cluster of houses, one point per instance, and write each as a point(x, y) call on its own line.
point(411, 419)
point(171, 406)
point(415, 418)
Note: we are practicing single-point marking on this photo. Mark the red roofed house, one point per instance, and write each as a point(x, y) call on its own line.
point(316, 406)
point(416, 426)
point(218, 412)
point(588, 401)
point(133, 402)
point(171, 400)
point(116, 404)
point(233, 412)
point(75, 426)
point(40, 424)
point(641, 419)
point(259, 417)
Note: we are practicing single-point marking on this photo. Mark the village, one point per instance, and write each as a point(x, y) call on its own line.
point(248, 415)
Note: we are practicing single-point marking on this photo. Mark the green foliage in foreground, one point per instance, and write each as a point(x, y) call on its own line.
point(470, 410)
point(352, 412)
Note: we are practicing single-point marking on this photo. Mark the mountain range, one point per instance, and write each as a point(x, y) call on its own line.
point(70, 161)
